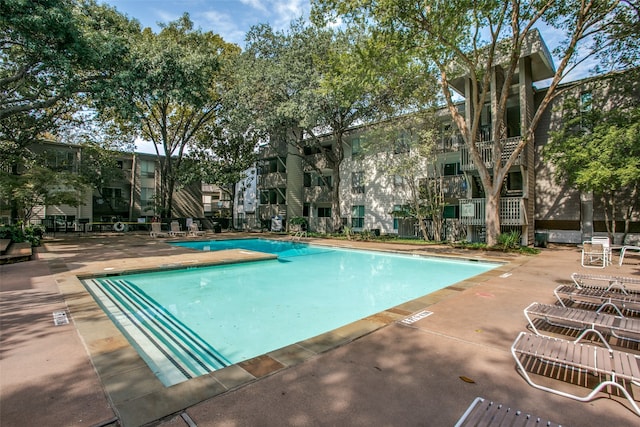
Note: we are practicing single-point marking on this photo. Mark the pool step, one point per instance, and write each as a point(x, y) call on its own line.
point(171, 349)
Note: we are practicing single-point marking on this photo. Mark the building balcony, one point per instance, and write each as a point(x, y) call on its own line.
point(217, 205)
point(270, 210)
point(512, 211)
point(485, 150)
point(454, 186)
point(272, 180)
point(267, 151)
point(319, 161)
point(449, 144)
point(318, 194)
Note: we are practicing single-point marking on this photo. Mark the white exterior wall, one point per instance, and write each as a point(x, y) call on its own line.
point(381, 193)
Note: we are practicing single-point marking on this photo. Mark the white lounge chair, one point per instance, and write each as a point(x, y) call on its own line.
point(586, 321)
point(483, 412)
point(585, 363)
point(175, 230)
point(624, 284)
point(616, 294)
point(156, 230)
point(593, 255)
point(194, 230)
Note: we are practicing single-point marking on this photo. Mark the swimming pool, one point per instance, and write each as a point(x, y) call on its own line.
point(188, 322)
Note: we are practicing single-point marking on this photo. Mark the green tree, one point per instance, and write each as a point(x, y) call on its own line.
point(405, 148)
point(54, 49)
point(599, 151)
point(55, 55)
point(310, 85)
point(99, 170)
point(171, 94)
point(462, 37)
point(40, 186)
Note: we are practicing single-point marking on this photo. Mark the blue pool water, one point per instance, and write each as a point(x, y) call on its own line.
point(201, 319)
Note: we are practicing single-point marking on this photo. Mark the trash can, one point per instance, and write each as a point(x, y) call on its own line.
point(217, 228)
point(541, 239)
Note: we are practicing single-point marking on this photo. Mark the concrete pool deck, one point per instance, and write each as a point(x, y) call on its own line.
point(374, 372)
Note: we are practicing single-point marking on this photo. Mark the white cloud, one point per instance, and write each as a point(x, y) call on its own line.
point(256, 4)
point(165, 17)
point(287, 11)
point(221, 23)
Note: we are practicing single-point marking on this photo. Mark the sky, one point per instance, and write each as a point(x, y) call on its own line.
point(231, 19)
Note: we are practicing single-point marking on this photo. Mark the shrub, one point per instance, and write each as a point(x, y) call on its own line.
point(510, 240)
point(30, 233)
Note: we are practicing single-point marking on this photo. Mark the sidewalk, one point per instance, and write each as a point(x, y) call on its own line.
point(396, 376)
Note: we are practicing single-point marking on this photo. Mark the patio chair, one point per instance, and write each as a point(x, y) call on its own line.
point(194, 230)
point(156, 230)
point(175, 230)
point(576, 362)
point(593, 255)
point(483, 412)
point(585, 321)
point(606, 247)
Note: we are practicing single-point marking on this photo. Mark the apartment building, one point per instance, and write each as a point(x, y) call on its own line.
point(532, 202)
point(129, 199)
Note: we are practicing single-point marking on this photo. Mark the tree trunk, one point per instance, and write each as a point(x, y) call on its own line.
point(338, 156)
point(492, 217)
point(15, 209)
point(335, 199)
point(423, 228)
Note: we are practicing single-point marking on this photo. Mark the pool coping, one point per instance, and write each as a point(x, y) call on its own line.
point(138, 396)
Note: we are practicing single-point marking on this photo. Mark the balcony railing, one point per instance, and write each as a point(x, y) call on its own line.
point(512, 211)
point(454, 186)
point(318, 194)
point(272, 180)
point(485, 149)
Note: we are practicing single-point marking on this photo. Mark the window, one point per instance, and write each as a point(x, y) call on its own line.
point(305, 210)
point(110, 193)
point(586, 100)
point(398, 180)
point(206, 202)
point(324, 181)
point(451, 211)
point(396, 208)
point(356, 147)
point(357, 216)
point(513, 184)
point(451, 169)
point(399, 212)
point(357, 182)
point(60, 160)
point(147, 196)
point(147, 168)
point(402, 144)
point(264, 197)
point(324, 212)
point(307, 179)
point(273, 196)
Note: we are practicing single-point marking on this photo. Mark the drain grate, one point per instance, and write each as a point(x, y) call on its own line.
point(60, 318)
point(415, 317)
